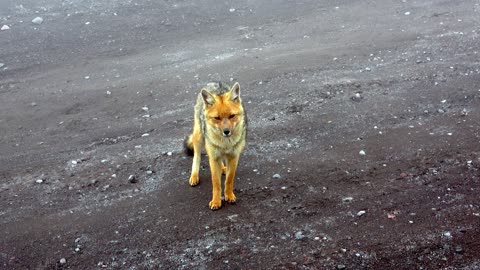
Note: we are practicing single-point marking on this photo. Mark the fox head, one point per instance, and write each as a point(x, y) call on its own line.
point(224, 113)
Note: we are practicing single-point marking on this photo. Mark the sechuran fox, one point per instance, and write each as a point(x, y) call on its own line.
point(220, 127)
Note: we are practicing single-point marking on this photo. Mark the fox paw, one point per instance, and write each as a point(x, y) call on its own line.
point(231, 198)
point(215, 204)
point(193, 181)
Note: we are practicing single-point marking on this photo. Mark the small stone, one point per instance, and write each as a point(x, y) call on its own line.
point(74, 162)
point(2, 65)
point(63, 261)
point(441, 110)
point(169, 153)
point(362, 153)
point(347, 199)
point(464, 112)
point(447, 234)
point(145, 109)
point(356, 97)
point(403, 175)
point(5, 27)
point(418, 61)
point(283, 188)
point(37, 20)
point(33, 104)
point(232, 10)
point(145, 135)
point(132, 179)
point(149, 172)
point(368, 69)
point(341, 266)
point(108, 93)
point(299, 235)
point(361, 213)
point(39, 181)
point(407, 13)
point(77, 249)
point(276, 176)
point(271, 118)
point(459, 250)
point(87, 77)
point(146, 116)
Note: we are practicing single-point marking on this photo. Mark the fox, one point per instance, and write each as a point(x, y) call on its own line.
point(220, 128)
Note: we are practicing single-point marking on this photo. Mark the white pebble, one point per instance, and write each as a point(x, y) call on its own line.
point(276, 176)
point(109, 93)
point(145, 135)
point(39, 181)
point(5, 27)
point(63, 261)
point(232, 10)
point(169, 153)
point(361, 213)
point(362, 153)
point(407, 13)
point(145, 108)
point(37, 20)
point(74, 162)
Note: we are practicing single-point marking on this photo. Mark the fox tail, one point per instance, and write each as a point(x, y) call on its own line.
point(188, 146)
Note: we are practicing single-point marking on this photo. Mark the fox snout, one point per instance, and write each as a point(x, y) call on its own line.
point(226, 132)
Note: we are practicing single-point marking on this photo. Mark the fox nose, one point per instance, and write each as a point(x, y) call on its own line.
point(226, 132)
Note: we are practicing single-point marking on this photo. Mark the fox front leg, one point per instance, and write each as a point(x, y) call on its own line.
point(232, 163)
point(216, 172)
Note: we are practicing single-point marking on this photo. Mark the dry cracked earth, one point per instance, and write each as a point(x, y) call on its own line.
point(366, 112)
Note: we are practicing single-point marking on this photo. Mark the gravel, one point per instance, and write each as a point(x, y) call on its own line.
point(132, 179)
point(299, 235)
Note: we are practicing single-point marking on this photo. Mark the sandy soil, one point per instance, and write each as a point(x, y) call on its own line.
point(322, 81)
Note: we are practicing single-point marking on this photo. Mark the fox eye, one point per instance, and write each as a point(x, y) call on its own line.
point(217, 118)
point(231, 116)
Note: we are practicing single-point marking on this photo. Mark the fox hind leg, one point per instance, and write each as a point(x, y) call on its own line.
point(224, 169)
point(197, 143)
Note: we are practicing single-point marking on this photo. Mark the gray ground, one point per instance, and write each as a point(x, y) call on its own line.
point(322, 81)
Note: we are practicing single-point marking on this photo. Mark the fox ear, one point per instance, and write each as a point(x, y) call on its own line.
point(207, 97)
point(235, 92)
